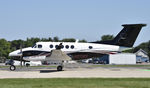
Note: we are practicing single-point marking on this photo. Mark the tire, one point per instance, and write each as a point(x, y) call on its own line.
point(12, 68)
point(59, 68)
point(27, 65)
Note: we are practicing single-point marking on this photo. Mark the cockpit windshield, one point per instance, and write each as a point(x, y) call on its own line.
point(34, 46)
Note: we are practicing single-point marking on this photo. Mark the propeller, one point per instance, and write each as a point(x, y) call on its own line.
point(21, 56)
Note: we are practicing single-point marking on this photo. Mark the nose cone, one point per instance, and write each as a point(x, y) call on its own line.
point(15, 53)
point(19, 52)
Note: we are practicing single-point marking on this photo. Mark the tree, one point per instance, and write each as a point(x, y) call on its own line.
point(149, 45)
point(83, 41)
point(50, 39)
point(46, 39)
point(31, 41)
point(107, 37)
point(68, 40)
point(15, 44)
point(145, 46)
point(56, 39)
point(4, 48)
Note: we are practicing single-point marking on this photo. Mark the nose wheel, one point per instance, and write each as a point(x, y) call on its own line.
point(12, 67)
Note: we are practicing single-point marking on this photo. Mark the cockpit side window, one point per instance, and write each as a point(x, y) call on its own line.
point(39, 46)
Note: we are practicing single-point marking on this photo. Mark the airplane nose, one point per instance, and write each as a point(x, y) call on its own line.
point(12, 54)
point(15, 53)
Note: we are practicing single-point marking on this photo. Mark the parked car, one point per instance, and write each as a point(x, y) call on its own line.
point(9, 62)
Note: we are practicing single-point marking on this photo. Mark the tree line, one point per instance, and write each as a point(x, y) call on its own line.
point(8, 46)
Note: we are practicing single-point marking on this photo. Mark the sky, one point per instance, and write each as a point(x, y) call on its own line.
point(79, 19)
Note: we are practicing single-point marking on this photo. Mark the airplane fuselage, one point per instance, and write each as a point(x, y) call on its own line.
point(75, 50)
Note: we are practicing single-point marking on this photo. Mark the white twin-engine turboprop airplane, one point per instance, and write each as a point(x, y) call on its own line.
point(61, 51)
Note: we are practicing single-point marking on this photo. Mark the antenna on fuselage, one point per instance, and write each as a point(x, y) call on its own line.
point(21, 56)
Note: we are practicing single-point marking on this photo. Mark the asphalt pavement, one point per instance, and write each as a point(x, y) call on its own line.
point(76, 71)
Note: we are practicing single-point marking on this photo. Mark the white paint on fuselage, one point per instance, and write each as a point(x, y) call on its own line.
point(78, 47)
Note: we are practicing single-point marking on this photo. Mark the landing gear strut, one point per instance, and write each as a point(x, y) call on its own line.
point(12, 67)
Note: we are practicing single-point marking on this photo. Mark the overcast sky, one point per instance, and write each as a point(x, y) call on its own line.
point(79, 19)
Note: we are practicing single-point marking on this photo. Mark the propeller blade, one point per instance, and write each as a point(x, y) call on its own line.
point(21, 57)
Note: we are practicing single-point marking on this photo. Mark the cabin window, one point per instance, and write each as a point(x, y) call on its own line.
point(67, 46)
point(56, 46)
point(62, 46)
point(39, 46)
point(72, 46)
point(90, 47)
point(51, 46)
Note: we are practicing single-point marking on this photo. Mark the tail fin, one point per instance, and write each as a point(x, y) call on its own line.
point(126, 37)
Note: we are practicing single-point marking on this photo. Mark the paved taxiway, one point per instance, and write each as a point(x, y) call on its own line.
point(79, 72)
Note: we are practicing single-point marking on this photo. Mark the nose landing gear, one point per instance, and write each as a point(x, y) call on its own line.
point(12, 67)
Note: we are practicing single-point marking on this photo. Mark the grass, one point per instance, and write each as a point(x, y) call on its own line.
point(76, 83)
point(4, 66)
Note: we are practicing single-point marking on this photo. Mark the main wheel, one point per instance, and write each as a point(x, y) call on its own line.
point(12, 68)
point(59, 68)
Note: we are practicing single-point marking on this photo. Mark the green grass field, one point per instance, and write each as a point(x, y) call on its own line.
point(76, 83)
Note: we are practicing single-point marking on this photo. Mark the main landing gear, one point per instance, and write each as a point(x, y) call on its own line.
point(59, 68)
